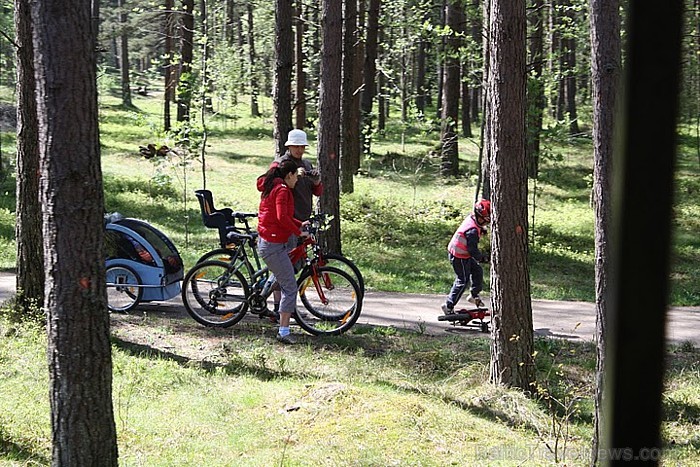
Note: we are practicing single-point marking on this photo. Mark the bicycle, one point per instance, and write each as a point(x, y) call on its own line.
point(317, 223)
point(217, 293)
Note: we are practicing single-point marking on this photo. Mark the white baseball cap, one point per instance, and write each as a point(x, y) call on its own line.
point(296, 138)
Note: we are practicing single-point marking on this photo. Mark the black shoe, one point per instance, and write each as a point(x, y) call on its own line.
point(288, 339)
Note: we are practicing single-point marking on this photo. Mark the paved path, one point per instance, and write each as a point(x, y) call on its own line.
point(570, 320)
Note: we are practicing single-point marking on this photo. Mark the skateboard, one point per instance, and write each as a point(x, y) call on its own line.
point(466, 317)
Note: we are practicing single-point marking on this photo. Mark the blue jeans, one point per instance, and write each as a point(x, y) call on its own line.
point(465, 269)
point(276, 257)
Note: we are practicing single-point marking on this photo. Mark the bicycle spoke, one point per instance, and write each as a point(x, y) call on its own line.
point(329, 301)
point(215, 295)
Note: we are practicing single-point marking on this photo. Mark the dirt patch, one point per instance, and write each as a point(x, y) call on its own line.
point(166, 329)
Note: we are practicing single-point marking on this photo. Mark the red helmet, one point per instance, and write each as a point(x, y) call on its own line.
point(482, 209)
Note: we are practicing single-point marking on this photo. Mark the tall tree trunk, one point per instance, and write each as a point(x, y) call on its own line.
point(535, 89)
point(569, 70)
point(350, 109)
point(124, 55)
point(466, 104)
point(606, 67)
point(240, 40)
point(30, 258)
point(329, 117)
point(185, 81)
point(169, 82)
point(449, 165)
point(485, 147)
point(79, 352)
point(206, 52)
point(284, 60)
point(420, 76)
point(512, 343)
point(477, 84)
point(252, 69)
point(440, 68)
point(300, 104)
point(381, 102)
point(369, 72)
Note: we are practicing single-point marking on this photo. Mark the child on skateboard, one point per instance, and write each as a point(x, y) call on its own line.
point(464, 255)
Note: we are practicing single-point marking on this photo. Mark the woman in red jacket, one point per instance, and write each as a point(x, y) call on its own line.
point(276, 223)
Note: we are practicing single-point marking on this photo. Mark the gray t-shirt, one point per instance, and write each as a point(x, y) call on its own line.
point(303, 190)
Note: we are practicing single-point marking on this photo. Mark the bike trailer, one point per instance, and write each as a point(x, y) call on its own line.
point(142, 263)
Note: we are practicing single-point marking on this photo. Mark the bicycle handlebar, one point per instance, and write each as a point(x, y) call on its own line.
point(243, 215)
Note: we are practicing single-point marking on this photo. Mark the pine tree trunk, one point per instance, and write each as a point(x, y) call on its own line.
point(252, 69)
point(369, 72)
point(79, 351)
point(169, 82)
point(512, 343)
point(124, 57)
point(284, 62)
point(28, 228)
point(329, 117)
point(606, 69)
point(350, 109)
point(449, 165)
point(300, 56)
point(185, 81)
point(535, 90)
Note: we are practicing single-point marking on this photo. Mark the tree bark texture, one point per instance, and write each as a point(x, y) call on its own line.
point(484, 167)
point(512, 344)
point(185, 81)
point(124, 55)
point(300, 104)
point(606, 68)
point(350, 109)
point(369, 88)
point(30, 258)
point(449, 164)
point(329, 117)
point(284, 61)
point(79, 353)
point(535, 89)
point(169, 82)
point(252, 69)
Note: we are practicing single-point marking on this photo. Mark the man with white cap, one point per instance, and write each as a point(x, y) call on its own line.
point(307, 186)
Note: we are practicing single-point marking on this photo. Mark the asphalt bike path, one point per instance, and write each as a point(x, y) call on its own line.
point(418, 312)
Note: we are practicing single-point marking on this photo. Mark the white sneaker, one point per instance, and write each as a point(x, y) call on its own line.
point(447, 310)
point(476, 301)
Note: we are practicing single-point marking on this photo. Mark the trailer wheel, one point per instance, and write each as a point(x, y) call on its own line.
point(124, 290)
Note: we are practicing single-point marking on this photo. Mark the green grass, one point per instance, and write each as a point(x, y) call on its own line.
point(396, 224)
point(187, 395)
point(371, 397)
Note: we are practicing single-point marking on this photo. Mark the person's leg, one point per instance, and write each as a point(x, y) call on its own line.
point(288, 286)
point(477, 275)
point(460, 283)
point(277, 260)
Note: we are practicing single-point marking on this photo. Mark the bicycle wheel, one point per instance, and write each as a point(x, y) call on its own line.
point(123, 288)
point(215, 296)
point(220, 254)
point(332, 298)
point(341, 262)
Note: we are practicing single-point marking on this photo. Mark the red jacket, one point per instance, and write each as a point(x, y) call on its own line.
point(276, 220)
point(305, 189)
